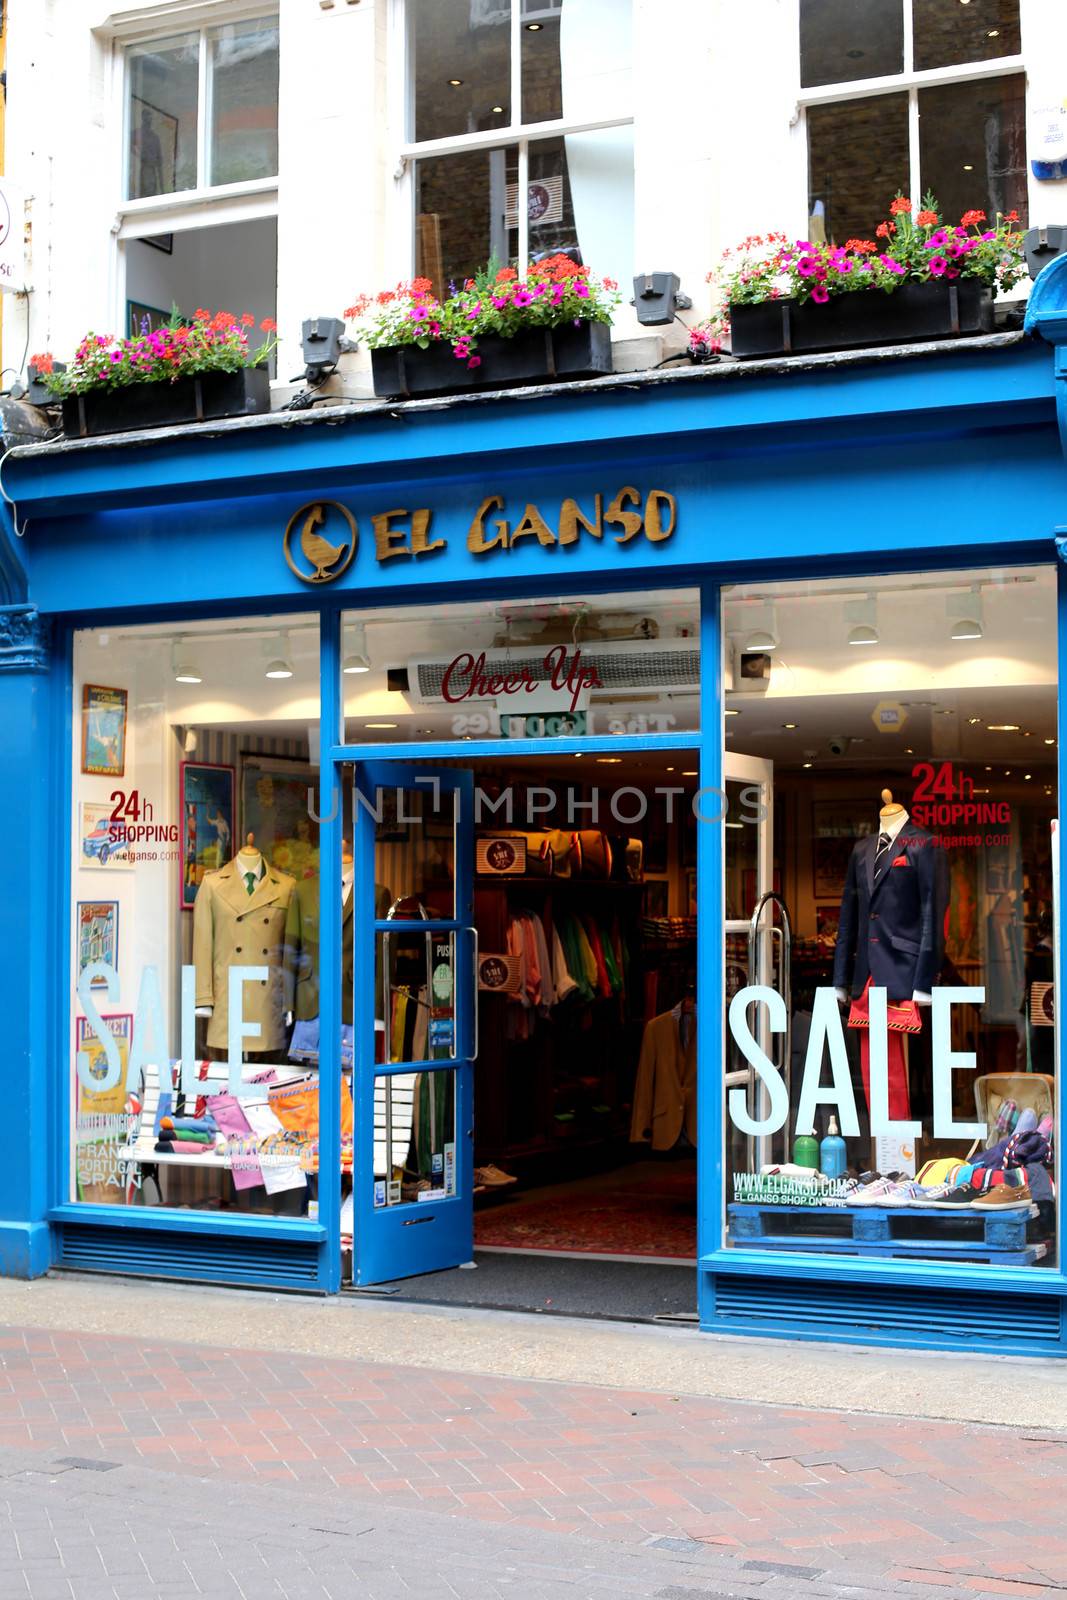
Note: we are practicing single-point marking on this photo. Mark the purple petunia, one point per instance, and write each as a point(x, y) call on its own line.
point(806, 266)
point(936, 240)
point(820, 294)
point(937, 266)
point(521, 298)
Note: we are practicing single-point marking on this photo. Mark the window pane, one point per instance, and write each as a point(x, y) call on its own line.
point(947, 34)
point(195, 883)
point(244, 102)
point(860, 39)
point(906, 727)
point(858, 159)
point(460, 55)
point(162, 85)
point(575, 58)
point(460, 215)
point(972, 146)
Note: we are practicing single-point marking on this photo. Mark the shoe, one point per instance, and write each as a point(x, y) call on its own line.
point(1005, 1197)
point(493, 1177)
point(879, 1193)
point(957, 1197)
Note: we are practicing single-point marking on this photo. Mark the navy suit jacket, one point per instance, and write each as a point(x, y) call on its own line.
point(892, 931)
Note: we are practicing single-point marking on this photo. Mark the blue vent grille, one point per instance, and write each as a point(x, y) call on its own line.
point(163, 1253)
point(855, 1310)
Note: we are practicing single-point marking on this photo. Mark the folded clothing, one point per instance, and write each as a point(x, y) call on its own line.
point(190, 1124)
point(182, 1147)
point(187, 1136)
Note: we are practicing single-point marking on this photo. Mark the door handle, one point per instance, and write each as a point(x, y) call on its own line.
point(474, 993)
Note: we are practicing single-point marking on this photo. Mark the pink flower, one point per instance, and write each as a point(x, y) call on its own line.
point(581, 290)
point(937, 266)
point(820, 294)
point(475, 361)
point(500, 301)
point(521, 298)
point(806, 266)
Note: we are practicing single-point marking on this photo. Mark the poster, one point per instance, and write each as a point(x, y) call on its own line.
point(275, 810)
point(102, 841)
point(103, 731)
point(98, 935)
point(101, 1122)
point(206, 810)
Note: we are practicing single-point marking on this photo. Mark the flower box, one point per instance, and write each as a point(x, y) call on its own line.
point(866, 317)
point(245, 393)
point(536, 355)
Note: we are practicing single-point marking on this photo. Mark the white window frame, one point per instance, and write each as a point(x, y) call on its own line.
point(516, 134)
point(207, 205)
point(908, 79)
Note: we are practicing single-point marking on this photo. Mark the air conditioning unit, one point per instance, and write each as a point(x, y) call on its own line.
point(624, 667)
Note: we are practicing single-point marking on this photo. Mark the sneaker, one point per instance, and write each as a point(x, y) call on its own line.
point(1005, 1197)
point(879, 1193)
point(958, 1197)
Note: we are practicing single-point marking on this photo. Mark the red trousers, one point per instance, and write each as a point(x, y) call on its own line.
point(903, 1019)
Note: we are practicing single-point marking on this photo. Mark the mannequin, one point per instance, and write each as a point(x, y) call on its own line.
point(665, 1089)
point(890, 933)
point(239, 919)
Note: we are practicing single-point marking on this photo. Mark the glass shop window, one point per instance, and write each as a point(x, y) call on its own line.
point(521, 197)
point(195, 896)
point(892, 1082)
point(233, 124)
point(566, 668)
point(964, 140)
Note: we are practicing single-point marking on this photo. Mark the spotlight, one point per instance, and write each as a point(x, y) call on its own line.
point(964, 611)
point(357, 660)
point(280, 664)
point(862, 617)
point(761, 640)
point(186, 669)
point(657, 298)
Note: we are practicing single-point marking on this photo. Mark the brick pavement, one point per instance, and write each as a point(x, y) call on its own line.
point(733, 1493)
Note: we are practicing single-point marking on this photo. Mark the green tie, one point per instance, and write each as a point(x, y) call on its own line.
point(250, 882)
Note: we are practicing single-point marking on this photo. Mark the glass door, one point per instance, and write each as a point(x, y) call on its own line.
point(415, 1036)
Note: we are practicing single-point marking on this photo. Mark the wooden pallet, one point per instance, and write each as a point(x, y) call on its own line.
point(998, 1237)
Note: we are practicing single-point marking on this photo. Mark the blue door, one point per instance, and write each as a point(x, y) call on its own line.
point(415, 1020)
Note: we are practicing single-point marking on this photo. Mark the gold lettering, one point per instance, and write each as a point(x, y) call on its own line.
point(477, 543)
point(390, 541)
point(533, 522)
point(571, 521)
point(655, 530)
point(420, 527)
point(629, 521)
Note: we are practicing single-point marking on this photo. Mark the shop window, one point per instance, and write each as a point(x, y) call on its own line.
point(566, 668)
point(964, 140)
point(202, 109)
point(519, 196)
point(891, 1076)
point(195, 873)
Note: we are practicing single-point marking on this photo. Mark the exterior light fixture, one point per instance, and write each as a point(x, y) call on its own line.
point(657, 298)
point(185, 667)
point(862, 618)
point(356, 659)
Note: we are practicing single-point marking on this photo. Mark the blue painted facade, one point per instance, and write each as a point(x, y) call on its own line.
point(781, 470)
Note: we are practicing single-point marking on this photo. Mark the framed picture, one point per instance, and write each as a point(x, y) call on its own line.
point(138, 315)
point(103, 730)
point(153, 149)
point(98, 935)
point(107, 1102)
point(826, 921)
point(656, 898)
point(836, 825)
point(161, 241)
point(274, 809)
point(102, 840)
point(691, 892)
point(205, 805)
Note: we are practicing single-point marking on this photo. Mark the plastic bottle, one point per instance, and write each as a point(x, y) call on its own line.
point(832, 1158)
point(806, 1151)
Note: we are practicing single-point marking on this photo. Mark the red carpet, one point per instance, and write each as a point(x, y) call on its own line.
point(649, 1213)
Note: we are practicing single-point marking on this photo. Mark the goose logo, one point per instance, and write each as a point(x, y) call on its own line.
point(315, 527)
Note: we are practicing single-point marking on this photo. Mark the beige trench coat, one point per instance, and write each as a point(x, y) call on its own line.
point(233, 928)
point(665, 1093)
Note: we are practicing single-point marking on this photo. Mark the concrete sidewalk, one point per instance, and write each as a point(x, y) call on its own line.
point(983, 1389)
point(141, 1416)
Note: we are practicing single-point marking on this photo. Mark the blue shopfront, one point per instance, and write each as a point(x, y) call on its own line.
point(619, 700)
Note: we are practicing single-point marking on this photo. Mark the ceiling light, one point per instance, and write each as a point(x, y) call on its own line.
point(455, 83)
point(1002, 727)
point(967, 167)
point(1027, 776)
point(964, 611)
point(908, 751)
point(732, 712)
point(807, 763)
point(972, 720)
point(185, 668)
point(789, 725)
point(861, 617)
point(535, 27)
point(670, 769)
point(380, 724)
point(1050, 741)
point(356, 658)
point(994, 33)
point(280, 664)
point(691, 773)
point(608, 761)
point(761, 639)
point(498, 111)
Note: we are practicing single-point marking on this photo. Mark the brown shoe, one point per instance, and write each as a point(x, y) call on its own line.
point(1004, 1197)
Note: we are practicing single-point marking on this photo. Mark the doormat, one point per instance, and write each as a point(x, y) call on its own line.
point(655, 1218)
